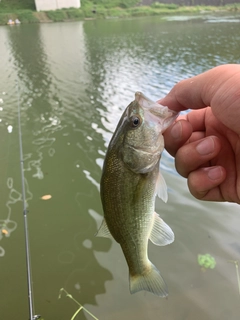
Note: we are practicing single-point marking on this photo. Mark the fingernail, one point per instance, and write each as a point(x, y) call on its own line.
point(176, 131)
point(206, 146)
point(214, 173)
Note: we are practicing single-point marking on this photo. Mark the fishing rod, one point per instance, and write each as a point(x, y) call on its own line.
point(27, 247)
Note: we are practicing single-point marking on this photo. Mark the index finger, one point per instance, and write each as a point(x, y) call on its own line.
point(207, 89)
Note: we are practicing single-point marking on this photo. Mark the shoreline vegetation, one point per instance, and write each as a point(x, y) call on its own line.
point(26, 12)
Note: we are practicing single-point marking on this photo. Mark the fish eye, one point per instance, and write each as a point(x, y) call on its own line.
point(135, 121)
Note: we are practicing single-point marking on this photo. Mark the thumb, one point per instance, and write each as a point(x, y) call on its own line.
point(218, 88)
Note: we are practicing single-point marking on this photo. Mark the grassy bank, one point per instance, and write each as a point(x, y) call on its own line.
point(89, 10)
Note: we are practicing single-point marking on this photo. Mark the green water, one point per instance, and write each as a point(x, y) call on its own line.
point(75, 79)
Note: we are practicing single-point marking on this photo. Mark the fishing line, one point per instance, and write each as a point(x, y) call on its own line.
point(26, 234)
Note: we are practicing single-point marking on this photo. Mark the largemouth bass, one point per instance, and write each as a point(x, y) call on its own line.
point(130, 181)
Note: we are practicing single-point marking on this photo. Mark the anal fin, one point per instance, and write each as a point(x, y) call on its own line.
point(104, 231)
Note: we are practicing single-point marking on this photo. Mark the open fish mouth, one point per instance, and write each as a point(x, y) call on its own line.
point(164, 116)
point(161, 111)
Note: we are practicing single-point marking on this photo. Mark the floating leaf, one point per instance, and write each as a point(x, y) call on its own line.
point(4, 231)
point(46, 197)
point(207, 261)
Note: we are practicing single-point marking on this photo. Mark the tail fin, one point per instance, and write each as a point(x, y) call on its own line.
point(151, 281)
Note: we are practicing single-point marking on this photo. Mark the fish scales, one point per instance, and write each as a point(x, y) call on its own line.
point(129, 183)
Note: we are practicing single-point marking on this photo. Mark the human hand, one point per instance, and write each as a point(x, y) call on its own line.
point(206, 142)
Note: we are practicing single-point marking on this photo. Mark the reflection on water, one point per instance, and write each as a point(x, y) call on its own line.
point(207, 18)
point(75, 81)
point(7, 226)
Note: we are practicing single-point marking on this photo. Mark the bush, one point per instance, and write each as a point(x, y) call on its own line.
point(117, 12)
point(4, 17)
point(75, 14)
point(140, 11)
point(127, 3)
point(57, 15)
point(109, 3)
point(158, 5)
point(13, 5)
point(87, 12)
point(26, 16)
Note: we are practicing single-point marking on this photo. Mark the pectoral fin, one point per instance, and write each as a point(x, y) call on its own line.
point(104, 231)
point(161, 233)
point(161, 188)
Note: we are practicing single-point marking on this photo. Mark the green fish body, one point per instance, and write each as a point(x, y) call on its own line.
point(130, 181)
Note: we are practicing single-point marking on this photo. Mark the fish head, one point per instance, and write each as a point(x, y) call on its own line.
point(143, 142)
